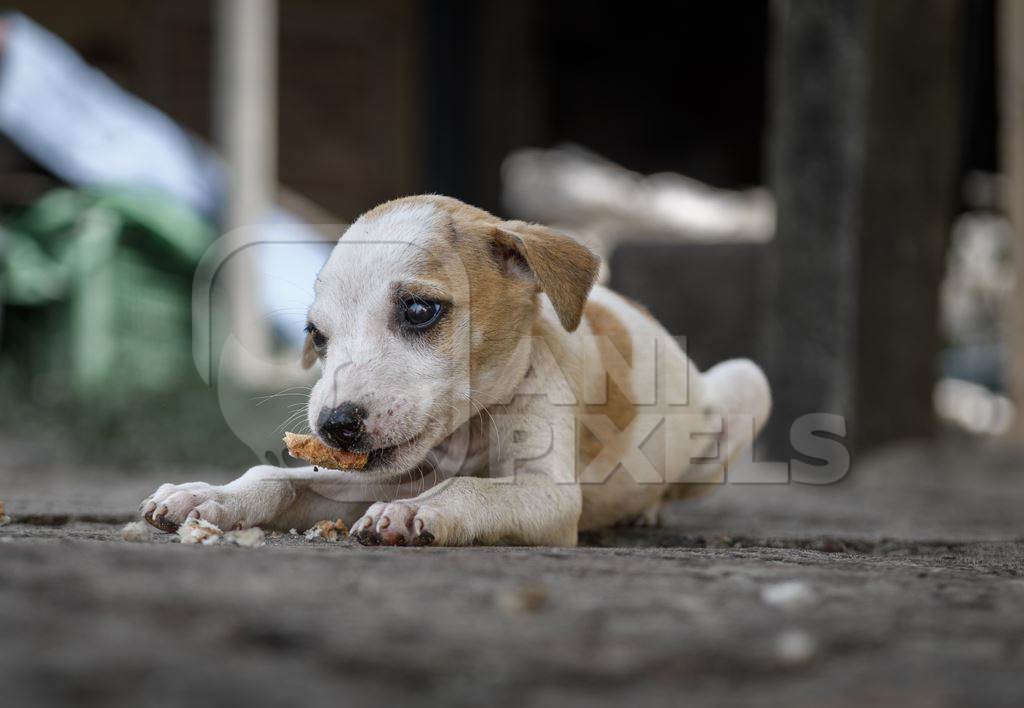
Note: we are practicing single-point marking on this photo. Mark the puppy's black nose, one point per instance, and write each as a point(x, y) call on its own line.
point(342, 426)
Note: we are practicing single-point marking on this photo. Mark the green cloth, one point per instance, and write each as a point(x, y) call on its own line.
point(43, 251)
point(118, 265)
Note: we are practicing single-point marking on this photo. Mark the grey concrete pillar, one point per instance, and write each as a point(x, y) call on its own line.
point(818, 92)
point(863, 146)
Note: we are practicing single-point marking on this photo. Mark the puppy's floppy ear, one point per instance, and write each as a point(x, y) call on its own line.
point(308, 352)
point(561, 266)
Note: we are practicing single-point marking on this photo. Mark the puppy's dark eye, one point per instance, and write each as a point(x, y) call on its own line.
point(319, 338)
point(417, 313)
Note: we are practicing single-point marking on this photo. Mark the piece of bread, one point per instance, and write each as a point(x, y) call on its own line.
point(309, 448)
point(327, 530)
point(199, 531)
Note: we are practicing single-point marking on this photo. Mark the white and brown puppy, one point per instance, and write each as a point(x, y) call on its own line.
point(502, 398)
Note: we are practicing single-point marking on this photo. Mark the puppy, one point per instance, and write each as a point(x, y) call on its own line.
point(501, 396)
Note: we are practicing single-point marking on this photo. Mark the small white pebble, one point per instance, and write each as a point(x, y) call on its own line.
point(137, 532)
point(790, 595)
point(293, 532)
point(249, 538)
point(199, 531)
point(795, 648)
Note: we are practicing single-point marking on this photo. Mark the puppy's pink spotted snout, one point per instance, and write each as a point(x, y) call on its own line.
point(382, 421)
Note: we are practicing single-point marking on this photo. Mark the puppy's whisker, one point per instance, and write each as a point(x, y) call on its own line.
point(427, 459)
point(480, 409)
point(288, 311)
point(422, 482)
point(290, 391)
point(296, 388)
point(297, 407)
point(294, 418)
point(468, 421)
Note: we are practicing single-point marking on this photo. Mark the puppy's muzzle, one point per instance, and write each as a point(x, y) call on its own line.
point(343, 426)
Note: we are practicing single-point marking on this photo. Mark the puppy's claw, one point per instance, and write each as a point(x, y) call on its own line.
point(422, 537)
point(364, 532)
point(159, 521)
point(368, 537)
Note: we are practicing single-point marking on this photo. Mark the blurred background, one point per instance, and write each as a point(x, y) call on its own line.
point(831, 188)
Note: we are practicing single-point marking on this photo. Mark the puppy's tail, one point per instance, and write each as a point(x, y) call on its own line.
point(737, 390)
point(738, 387)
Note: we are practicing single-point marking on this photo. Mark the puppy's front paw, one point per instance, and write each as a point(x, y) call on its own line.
point(403, 523)
point(169, 506)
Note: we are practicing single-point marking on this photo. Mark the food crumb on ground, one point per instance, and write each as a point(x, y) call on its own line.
point(327, 530)
point(248, 538)
point(199, 531)
point(137, 532)
point(527, 599)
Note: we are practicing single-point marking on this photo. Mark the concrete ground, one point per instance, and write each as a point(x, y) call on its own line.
point(900, 585)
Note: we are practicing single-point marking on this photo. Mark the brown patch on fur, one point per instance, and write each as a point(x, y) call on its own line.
point(501, 309)
point(502, 306)
point(308, 352)
point(564, 268)
point(619, 406)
